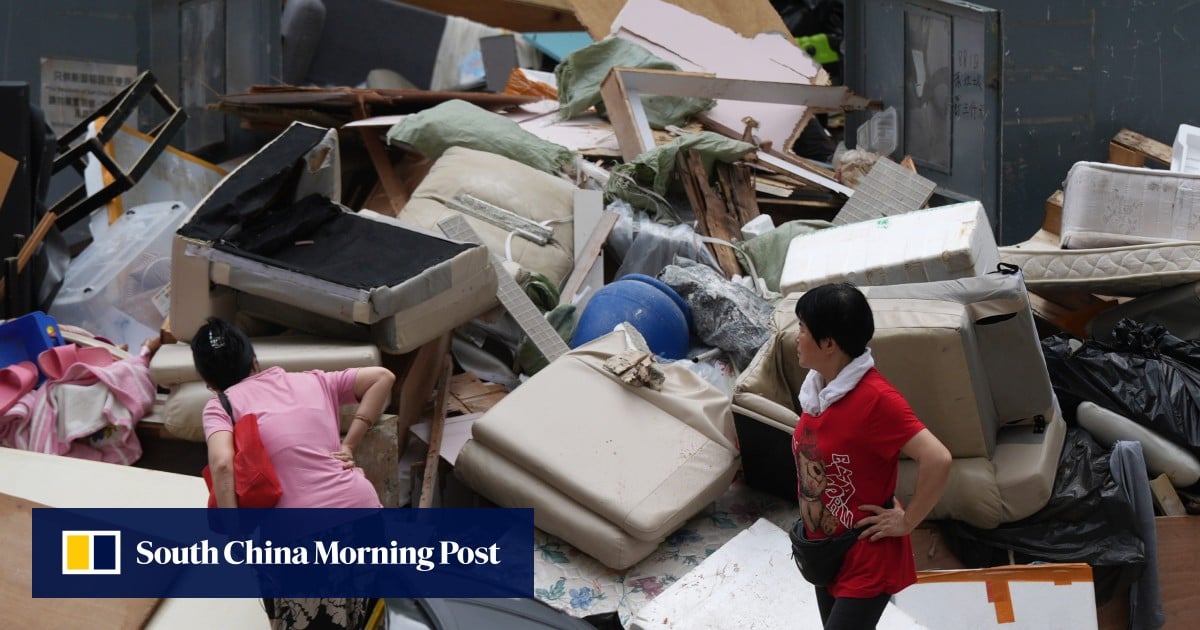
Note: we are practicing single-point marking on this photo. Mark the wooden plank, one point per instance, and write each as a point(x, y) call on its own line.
point(415, 383)
point(738, 192)
point(706, 85)
point(1124, 156)
point(437, 426)
point(745, 18)
point(712, 216)
point(585, 258)
point(16, 584)
point(396, 194)
point(1178, 557)
point(1149, 147)
point(1052, 221)
point(621, 114)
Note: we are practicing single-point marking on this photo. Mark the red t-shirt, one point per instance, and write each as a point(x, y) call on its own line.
point(847, 457)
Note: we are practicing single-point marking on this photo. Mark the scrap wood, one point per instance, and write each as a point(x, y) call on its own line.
point(1129, 148)
point(623, 89)
point(636, 368)
point(585, 258)
point(712, 214)
point(468, 394)
point(1052, 221)
point(738, 190)
point(437, 426)
point(1068, 311)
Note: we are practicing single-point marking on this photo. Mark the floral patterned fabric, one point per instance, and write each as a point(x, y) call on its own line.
point(576, 583)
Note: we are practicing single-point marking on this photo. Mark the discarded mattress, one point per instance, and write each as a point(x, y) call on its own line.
point(507, 184)
point(1128, 271)
point(172, 364)
point(609, 468)
point(1106, 205)
point(272, 229)
point(942, 243)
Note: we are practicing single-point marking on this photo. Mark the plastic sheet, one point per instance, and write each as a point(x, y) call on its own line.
point(725, 315)
point(645, 246)
point(1145, 374)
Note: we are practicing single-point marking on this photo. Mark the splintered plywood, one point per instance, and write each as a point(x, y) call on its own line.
point(21, 610)
point(697, 44)
point(747, 18)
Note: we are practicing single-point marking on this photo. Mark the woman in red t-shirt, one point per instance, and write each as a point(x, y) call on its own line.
point(847, 444)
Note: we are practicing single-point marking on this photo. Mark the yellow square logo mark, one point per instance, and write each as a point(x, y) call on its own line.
point(91, 552)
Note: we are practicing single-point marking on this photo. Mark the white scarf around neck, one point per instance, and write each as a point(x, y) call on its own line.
point(816, 396)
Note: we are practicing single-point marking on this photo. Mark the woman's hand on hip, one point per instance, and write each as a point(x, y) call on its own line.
point(345, 455)
point(884, 522)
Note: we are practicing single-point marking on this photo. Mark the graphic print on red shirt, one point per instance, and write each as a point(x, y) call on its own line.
point(848, 457)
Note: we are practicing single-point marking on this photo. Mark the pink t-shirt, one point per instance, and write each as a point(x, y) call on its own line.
point(298, 422)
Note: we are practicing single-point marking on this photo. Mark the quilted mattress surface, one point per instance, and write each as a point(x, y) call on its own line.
point(1128, 271)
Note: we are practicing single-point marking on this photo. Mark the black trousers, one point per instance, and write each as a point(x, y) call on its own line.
point(850, 613)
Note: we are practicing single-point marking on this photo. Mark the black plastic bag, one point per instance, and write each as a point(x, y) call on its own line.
point(1145, 374)
point(1089, 518)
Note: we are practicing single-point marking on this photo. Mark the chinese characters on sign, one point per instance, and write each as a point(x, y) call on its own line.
point(71, 90)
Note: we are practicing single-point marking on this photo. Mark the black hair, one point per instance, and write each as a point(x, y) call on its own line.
point(222, 353)
point(839, 312)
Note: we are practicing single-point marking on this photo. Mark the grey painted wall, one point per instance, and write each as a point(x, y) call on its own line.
point(1074, 73)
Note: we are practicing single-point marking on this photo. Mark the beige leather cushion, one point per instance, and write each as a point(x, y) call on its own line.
point(172, 364)
point(183, 413)
point(509, 485)
point(510, 185)
point(927, 351)
point(1014, 484)
point(644, 460)
point(925, 348)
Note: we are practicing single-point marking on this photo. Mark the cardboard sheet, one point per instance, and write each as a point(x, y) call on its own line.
point(23, 611)
point(8, 168)
point(748, 18)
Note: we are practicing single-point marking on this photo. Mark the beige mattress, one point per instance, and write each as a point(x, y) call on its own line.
point(1107, 205)
point(172, 364)
point(1126, 271)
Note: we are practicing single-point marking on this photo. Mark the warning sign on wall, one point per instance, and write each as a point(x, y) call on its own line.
point(72, 89)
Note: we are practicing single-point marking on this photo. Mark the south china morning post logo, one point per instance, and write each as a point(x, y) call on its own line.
point(282, 553)
point(91, 552)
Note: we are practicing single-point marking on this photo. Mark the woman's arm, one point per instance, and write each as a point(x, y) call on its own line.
point(220, 464)
point(372, 386)
point(933, 469)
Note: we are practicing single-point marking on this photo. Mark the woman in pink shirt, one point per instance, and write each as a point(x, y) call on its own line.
point(298, 421)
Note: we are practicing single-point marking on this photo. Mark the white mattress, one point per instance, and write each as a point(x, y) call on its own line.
point(1128, 271)
point(1106, 205)
point(942, 243)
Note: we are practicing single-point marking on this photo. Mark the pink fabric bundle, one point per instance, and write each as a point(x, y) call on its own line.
point(86, 408)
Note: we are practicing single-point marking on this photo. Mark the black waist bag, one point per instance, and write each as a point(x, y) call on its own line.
point(820, 559)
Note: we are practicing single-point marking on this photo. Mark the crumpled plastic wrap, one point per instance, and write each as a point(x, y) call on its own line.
point(724, 315)
point(1145, 374)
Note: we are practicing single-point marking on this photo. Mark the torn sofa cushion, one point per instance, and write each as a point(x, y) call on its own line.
point(512, 186)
